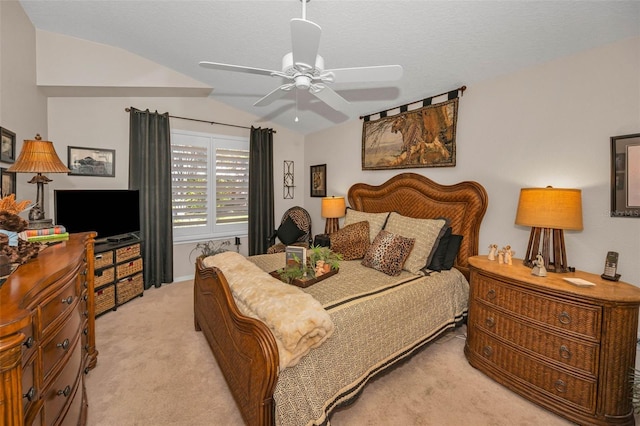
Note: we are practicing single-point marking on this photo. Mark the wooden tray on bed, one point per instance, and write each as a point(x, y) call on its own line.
point(308, 282)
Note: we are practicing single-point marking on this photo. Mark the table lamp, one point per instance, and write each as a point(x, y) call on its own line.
point(549, 211)
point(332, 209)
point(38, 156)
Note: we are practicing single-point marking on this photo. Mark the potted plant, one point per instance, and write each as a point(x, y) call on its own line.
point(323, 260)
point(320, 261)
point(210, 248)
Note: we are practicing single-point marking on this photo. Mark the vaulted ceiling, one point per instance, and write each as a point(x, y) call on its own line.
point(441, 45)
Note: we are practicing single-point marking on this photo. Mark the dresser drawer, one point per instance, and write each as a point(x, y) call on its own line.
point(59, 304)
point(64, 341)
point(62, 391)
point(581, 355)
point(536, 376)
point(584, 320)
point(29, 388)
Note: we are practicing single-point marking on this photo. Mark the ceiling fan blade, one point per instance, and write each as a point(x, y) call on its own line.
point(329, 97)
point(274, 95)
point(305, 41)
point(364, 74)
point(240, 68)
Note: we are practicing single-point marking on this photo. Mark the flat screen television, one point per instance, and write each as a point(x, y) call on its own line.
point(113, 213)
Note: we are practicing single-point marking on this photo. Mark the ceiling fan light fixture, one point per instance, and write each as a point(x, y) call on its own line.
point(303, 82)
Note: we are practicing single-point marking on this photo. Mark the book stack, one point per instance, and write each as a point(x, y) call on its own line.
point(45, 235)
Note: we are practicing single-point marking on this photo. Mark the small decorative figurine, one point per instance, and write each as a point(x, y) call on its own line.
point(493, 248)
point(538, 267)
point(508, 255)
point(500, 256)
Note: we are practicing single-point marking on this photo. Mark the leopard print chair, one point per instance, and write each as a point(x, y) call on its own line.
point(294, 230)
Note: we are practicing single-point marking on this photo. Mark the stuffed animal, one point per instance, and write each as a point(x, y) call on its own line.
point(11, 224)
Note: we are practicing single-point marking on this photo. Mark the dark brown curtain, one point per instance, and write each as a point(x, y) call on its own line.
point(261, 221)
point(150, 173)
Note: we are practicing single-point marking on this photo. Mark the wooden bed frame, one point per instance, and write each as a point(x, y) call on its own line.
point(244, 347)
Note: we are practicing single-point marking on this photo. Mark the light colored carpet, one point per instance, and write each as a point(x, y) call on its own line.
point(155, 369)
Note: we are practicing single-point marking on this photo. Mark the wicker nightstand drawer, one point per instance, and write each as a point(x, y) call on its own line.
point(565, 316)
point(575, 353)
point(128, 252)
point(105, 299)
point(130, 287)
point(540, 378)
point(104, 276)
point(128, 268)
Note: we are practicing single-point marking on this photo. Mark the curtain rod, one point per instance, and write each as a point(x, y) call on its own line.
point(205, 121)
point(459, 89)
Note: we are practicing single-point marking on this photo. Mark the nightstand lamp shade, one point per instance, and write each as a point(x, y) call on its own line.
point(549, 211)
point(38, 156)
point(332, 209)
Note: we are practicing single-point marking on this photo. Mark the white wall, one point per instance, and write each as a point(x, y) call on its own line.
point(546, 125)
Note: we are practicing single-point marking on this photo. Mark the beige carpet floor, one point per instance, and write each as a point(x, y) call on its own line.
point(154, 369)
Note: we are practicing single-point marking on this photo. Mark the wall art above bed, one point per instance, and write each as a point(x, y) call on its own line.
point(420, 137)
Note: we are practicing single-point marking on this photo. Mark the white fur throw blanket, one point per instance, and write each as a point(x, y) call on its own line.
point(297, 320)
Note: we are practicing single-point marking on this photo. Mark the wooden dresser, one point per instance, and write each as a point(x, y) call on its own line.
point(47, 339)
point(569, 349)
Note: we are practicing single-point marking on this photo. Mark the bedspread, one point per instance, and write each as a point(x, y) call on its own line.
point(378, 320)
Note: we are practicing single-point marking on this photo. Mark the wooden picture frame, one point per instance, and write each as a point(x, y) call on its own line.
point(91, 161)
point(422, 137)
point(318, 179)
point(7, 146)
point(625, 176)
point(7, 182)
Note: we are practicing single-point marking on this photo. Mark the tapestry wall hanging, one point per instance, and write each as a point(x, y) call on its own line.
point(423, 137)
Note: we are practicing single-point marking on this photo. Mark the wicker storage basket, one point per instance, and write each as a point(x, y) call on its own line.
point(130, 287)
point(129, 268)
point(103, 276)
point(105, 299)
point(103, 259)
point(128, 252)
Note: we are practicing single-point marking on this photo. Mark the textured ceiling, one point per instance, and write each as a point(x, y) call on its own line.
point(441, 44)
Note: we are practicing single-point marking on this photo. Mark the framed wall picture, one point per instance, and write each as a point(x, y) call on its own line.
point(319, 180)
point(91, 161)
point(7, 182)
point(625, 176)
point(7, 145)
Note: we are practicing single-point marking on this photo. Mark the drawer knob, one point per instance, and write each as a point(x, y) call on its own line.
point(564, 318)
point(66, 391)
point(560, 386)
point(565, 353)
point(31, 395)
point(68, 300)
point(64, 345)
point(29, 342)
point(491, 294)
point(487, 351)
point(85, 297)
point(490, 322)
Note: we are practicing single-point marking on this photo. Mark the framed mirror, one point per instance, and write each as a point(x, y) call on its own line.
point(625, 176)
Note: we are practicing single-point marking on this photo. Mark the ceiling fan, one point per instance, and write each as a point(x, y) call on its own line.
point(304, 68)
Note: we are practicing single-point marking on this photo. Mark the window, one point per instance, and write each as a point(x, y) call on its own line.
point(204, 208)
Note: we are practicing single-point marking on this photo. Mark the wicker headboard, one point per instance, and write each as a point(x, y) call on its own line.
point(414, 195)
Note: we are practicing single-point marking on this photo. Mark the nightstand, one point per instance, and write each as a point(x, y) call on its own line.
point(566, 348)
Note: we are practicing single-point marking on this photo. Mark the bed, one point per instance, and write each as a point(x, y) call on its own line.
point(400, 314)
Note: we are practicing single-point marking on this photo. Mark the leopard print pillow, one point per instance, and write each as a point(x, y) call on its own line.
point(352, 241)
point(388, 252)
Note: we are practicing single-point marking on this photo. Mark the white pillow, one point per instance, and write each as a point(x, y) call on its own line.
point(427, 233)
point(376, 221)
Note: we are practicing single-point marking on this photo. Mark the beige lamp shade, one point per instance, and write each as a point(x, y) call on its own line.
point(333, 207)
point(38, 156)
point(554, 208)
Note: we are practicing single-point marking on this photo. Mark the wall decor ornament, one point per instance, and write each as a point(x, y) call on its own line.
point(7, 145)
point(625, 176)
point(91, 161)
point(8, 182)
point(288, 186)
point(319, 180)
point(422, 137)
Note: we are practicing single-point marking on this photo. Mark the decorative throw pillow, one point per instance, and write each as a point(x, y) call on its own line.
point(352, 241)
point(376, 220)
point(288, 232)
point(446, 253)
point(388, 253)
point(427, 233)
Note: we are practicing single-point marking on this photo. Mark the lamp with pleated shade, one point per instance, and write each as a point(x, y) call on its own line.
point(38, 156)
point(332, 209)
point(549, 211)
